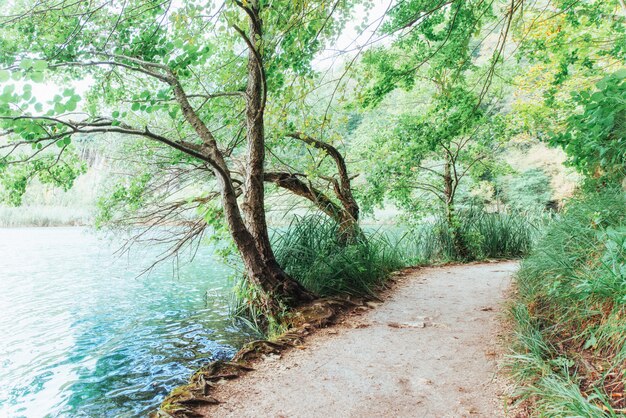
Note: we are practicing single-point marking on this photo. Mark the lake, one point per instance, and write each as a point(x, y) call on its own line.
point(83, 336)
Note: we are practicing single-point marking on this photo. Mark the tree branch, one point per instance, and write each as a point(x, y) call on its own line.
point(344, 188)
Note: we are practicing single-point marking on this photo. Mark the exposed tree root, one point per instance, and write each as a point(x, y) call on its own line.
point(182, 401)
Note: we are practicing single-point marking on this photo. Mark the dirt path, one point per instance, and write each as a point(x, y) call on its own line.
point(428, 351)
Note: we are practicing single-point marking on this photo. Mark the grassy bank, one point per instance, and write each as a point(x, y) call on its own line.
point(569, 350)
point(311, 251)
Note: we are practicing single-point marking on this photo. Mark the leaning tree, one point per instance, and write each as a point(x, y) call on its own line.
point(201, 89)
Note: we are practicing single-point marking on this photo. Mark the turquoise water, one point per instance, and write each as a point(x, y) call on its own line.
point(82, 336)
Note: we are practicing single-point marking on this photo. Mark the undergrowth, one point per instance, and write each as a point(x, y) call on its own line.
point(486, 235)
point(312, 251)
point(570, 332)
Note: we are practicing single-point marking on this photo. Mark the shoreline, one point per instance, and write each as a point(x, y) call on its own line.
point(322, 314)
point(220, 384)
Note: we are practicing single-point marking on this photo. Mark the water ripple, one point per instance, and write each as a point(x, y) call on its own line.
point(83, 337)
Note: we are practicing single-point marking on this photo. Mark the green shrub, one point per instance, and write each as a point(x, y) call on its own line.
point(570, 348)
point(529, 190)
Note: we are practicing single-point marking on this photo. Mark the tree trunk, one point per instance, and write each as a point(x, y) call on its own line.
point(277, 286)
point(448, 192)
point(250, 235)
point(253, 206)
point(451, 219)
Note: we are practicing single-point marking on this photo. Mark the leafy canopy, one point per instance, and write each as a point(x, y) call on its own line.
point(595, 138)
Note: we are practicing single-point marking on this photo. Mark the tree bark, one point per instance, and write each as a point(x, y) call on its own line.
point(346, 215)
point(249, 231)
point(253, 206)
point(452, 221)
point(448, 193)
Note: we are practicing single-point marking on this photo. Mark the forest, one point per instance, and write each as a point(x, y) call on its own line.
point(316, 147)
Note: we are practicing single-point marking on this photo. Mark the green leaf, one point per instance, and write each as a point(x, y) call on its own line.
point(40, 65)
point(135, 106)
point(26, 64)
point(4, 76)
point(37, 76)
point(620, 74)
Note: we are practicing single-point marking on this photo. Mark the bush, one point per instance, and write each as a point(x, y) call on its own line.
point(529, 190)
point(570, 346)
point(311, 251)
point(485, 235)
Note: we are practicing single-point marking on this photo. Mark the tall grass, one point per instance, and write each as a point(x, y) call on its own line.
point(570, 346)
point(311, 251)
point(43, 216)
point(485, 235)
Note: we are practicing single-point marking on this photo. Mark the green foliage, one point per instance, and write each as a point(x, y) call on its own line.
point(595, 139)
point(565, 49)
point(127, 196)
point(436, 41)
point(47, 169)
point(570, 338)
point(408, 160)
point(527, 191)
point(311, 250)
point(485, 236)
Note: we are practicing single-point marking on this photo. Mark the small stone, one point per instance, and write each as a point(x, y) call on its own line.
point(271, 358)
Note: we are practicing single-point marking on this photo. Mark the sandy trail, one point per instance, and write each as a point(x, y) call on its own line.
point(428, 351)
